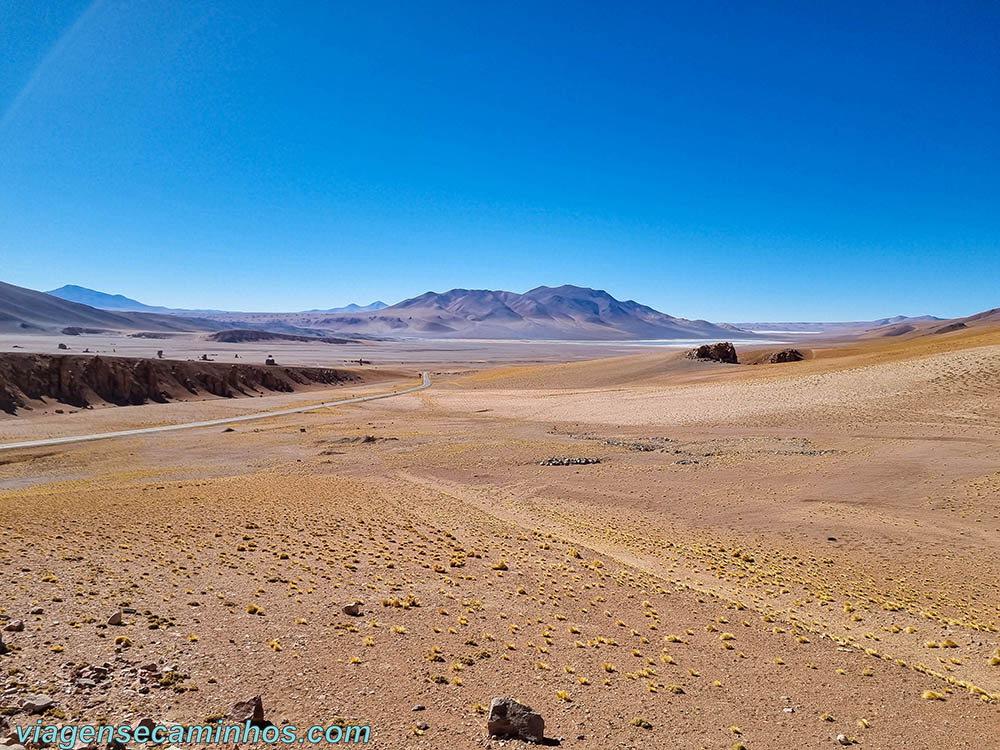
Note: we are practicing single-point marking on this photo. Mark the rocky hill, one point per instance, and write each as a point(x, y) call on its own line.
point(242, 336)
point(31, 381)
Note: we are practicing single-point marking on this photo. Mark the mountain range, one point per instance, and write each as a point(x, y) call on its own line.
point(564, 312)
point(829, 327)
point(353, 308)
point(105, 301)
point(560, 313)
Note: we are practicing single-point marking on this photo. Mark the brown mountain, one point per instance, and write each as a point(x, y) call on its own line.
point(565, 312)
point(27, 311)
point(936, 326)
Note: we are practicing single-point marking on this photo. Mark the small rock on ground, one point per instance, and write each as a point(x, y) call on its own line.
point(508, 718)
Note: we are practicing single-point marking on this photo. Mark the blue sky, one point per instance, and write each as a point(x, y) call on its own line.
point(724, 160)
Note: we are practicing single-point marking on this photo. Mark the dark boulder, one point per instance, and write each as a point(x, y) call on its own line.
point(510, 719)
point(786, 355)
point(250, 710)
point(722, 352)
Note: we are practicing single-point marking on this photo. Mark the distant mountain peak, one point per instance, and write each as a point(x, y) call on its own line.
point(27, 310)
point(105, 301)
point(828, 326)
point(353, 307)
point(100, 300)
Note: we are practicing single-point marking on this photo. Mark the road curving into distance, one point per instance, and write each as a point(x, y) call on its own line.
point(425, 382)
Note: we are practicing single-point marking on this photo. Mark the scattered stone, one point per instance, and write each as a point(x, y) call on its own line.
point(634, 446)
point(831, 539)
point(814, 452)
point(687, 461)
point(722, 352)
point(35, 704)
point(251, 710)
point(843, 739)
point(36, 611)
point(423, 725)
point(786, 355)
point(353, 609)
point(116, 618)
point(418, 707)
point(363, 439)
point(568, 461)
point(510, 719)
point(15, 626)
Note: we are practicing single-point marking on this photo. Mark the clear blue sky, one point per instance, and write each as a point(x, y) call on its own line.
point(725, 160)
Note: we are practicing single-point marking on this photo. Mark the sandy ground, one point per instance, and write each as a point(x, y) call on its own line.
point(765, 556)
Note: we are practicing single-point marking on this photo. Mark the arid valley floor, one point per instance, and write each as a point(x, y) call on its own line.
point(766, 556)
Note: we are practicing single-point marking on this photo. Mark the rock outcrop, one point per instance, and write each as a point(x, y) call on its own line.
point(568, 461)
point(724, 351)
point(786, 355)
point(36, 704)
point(240, 335)
point(956, 326)
point(513, 720)
point(80, 380)
point(250, 710)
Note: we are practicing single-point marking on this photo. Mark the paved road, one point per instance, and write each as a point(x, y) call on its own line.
point(425, 383)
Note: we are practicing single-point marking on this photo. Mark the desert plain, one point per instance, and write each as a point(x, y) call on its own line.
point(794, 555)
